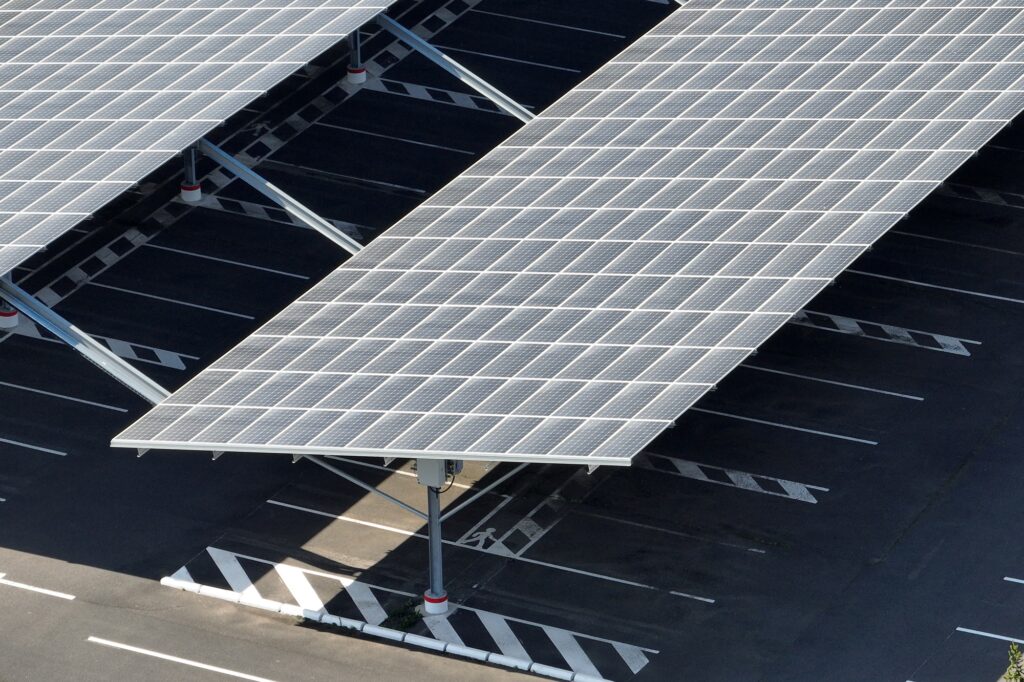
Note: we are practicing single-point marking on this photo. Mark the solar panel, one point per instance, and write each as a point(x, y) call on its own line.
point(577, 289)
point(96, 94)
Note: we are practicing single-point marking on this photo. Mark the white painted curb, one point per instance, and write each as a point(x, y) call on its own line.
point(383, 633)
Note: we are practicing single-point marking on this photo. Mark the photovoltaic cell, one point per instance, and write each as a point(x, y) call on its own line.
point(578, 288)
point(96, 94)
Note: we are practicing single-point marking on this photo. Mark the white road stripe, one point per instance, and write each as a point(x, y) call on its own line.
point(297, 583)
point(497, 627)
point(365, 601)
point(171, 300)
point(506, 59)
point(442, 630)
point(396, 139)
point(957, 242)
point(31, 588)
point(62, 396)
point(938, 286)
point(1014, 580)
point(634, 657)
point(182, 575)
point(785, 426)
point(667, 531)
point(535, 562)
point(692, 596)
point(224, 260)
point(990, 635)
point(547, 23)
point(819, 380)
point(572, 652)
point(177, 659)
point(33, 447)
point(233, 572)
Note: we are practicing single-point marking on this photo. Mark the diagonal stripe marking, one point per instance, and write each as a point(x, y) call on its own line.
point(499, 630)
point(633, 656)
point(233, 572)
point(442, 630)
point(571, 651)
point(365, 601)
point(295, 580)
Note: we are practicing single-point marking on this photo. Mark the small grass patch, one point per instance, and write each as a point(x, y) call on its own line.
point(404, 617)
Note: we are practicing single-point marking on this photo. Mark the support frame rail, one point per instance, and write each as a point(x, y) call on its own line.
point(503, 101)
point(90, 348)
point(289, 204)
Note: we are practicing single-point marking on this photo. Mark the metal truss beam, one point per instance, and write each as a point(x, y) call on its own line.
point(93, 350)
point(474, 81)
point(297, 210)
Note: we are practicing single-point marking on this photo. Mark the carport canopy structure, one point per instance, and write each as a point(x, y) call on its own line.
point(97, 94)
point(577, 289)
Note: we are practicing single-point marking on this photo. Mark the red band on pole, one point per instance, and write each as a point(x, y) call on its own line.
point(352, 69)
point(434, 600)
point(190, 188)
point(8, 313)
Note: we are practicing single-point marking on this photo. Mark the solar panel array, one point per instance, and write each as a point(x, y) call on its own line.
point(96, 94)
point(581, 286)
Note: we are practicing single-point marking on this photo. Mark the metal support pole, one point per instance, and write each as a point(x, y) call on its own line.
point(95, 352)
point(8, 313)
point(435, 599)
point(292, 206)
point(356, 72)
point(191, 190)
point(503, 101)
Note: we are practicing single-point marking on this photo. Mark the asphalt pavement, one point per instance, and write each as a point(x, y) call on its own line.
point(843, 507)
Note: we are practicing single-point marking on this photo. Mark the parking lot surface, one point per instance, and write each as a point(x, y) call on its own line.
point(842, 507)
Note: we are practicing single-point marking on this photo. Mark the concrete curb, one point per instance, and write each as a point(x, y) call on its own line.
point(383, 633)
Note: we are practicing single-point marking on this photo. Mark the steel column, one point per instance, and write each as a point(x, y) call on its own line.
point(435, 600)
point(191, 190)
point(356, 72)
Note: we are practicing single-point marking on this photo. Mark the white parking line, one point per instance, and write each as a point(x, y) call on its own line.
point(938, 286)
point(177, 659)
point(546, 23)
point(667, 531)
point(62, 396)
point(396, 139)
point(31, 588)
point(957, 242)
point(536, 562)
point(819, 380)
point(445, 48)
point(33, 447)
point(171, 300)
point(990, 635)
point(240, 264)
point(785, 426)
point(1014, 580)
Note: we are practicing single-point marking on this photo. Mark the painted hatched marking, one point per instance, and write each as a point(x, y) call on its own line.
point(272, 214)
point(451, 628)
point(299, 587)
point(364, 599)
point(882, 332)
point(758, 483)
point(497, 627)
point(440, 628)
point(233, 572)
point(123, 349)
point(432, 94)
